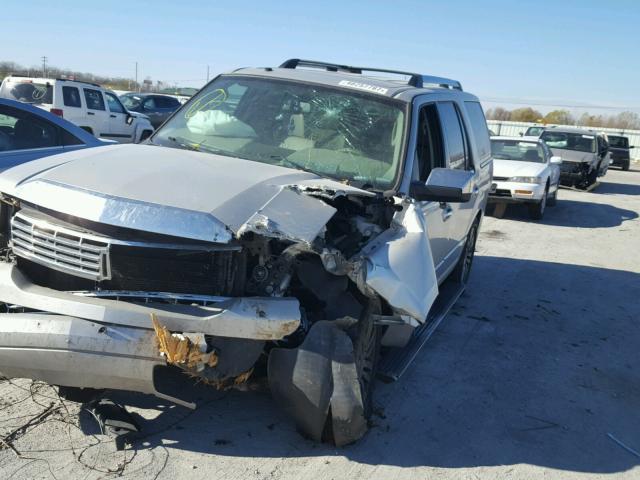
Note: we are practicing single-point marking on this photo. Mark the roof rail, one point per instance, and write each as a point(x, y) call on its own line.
point(416, 80)
point(78, 81)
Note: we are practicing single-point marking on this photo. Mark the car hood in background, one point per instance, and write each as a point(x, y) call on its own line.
point(176, 192)
point(516, 168)
point(573, 156)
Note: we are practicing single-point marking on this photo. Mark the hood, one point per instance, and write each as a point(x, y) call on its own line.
point(138, 115)
point(175, 192)
point(573, 156)
point(516, 168)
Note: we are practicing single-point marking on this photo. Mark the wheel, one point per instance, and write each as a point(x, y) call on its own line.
point(591, 178)
point(626, 166)
point(463, 268)
point(536, 210)
point(366, 336)
point(553, 200)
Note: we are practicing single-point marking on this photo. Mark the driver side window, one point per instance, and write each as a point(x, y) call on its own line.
point(429, 145)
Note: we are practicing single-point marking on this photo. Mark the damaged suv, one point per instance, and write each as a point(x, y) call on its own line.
point(287, 222)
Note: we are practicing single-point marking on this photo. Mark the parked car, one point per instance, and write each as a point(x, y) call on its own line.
point(534, 131)
point(524, 171)
point(88, 105)
point(157, 107)
point(619, 150)
point(28, 133)
point(584, 153)
point(276, 223)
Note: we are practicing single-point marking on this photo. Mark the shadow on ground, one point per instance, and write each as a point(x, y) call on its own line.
point(610, 188)
point(572, 213)
point(537, 378)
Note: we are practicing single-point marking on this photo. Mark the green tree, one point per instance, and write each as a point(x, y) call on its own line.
point(559, 117)
point(526, 114)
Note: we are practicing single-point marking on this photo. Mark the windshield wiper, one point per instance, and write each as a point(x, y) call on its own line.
point(182, 143)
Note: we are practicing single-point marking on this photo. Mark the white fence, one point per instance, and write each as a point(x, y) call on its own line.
point(514, 129)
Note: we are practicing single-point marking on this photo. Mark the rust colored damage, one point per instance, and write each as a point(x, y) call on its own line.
point(184, 350)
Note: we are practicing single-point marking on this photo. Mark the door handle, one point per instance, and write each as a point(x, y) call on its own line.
point(447, 211)
point(90, 113)
point(112, 116)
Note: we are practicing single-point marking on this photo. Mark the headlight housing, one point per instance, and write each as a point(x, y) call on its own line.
point(536, 180)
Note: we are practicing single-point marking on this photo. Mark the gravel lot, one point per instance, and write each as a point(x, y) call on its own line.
point(527, 376)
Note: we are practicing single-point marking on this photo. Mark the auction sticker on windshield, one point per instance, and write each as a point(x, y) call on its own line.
point(363, 86)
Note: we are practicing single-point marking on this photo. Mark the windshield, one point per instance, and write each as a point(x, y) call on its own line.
point(570, 141)
point(130, 101)
point(517, 150)
point(348, 136)
point(27, 91)
point(618, 142)
point(534, 131)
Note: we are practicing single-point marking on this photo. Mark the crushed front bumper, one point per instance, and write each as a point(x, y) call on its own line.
point(81, 341)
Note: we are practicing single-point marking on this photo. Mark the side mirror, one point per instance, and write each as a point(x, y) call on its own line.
point(129, 119)
point(555, 160)
point(444, 185)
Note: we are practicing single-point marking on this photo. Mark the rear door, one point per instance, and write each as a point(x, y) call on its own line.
point(72, 104)
point(459, 157)
point(97, 116)
point(119, 129)
point(429, 154)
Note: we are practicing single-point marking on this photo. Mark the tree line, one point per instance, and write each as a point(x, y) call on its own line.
point(114, 83)
point(622, 120)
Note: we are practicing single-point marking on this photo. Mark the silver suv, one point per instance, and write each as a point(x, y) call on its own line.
point(294, 222)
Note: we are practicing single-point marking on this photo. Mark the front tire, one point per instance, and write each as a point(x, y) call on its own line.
point(536, 210)
point(463, 268)
point(553, 200)
point(626, 166)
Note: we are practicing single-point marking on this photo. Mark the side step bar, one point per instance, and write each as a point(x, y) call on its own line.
point(396, 361)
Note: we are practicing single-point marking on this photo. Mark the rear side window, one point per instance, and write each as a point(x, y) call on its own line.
point(94, 99)
point(454, 135)
point(71, 97)
point(479, 128)
point(21, 130)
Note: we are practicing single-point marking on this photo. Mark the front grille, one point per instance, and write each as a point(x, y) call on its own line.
point(59, 248)
point(501, 193)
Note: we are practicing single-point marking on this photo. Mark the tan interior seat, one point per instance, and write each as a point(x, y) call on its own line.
point(296, 139)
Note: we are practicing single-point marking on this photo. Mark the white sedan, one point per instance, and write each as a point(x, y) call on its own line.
point(524, 171)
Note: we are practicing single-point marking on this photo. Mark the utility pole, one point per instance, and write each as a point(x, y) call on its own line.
point(137, 89)
point(44, 66)
point(207, 73)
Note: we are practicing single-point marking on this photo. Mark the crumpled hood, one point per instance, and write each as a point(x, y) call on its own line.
point(516, 168)
point(573, 156)
point(176, 192)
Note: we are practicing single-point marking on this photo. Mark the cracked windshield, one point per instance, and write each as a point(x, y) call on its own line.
point(348, 136)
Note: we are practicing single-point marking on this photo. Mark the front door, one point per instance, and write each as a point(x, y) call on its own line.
point(429, 154)
point(119, 129)
point(97, 116)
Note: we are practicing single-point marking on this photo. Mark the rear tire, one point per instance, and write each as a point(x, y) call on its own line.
point(626, 166)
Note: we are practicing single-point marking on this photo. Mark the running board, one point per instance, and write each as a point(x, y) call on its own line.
point(397, 360)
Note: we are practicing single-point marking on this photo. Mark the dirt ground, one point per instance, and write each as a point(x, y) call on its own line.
point(534, 373)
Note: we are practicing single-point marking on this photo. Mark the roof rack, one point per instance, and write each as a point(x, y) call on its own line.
point(416, 79)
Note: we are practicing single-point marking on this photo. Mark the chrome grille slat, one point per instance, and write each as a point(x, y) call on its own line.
point(60, 248)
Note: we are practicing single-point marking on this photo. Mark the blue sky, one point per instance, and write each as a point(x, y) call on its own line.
point(568, 52)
